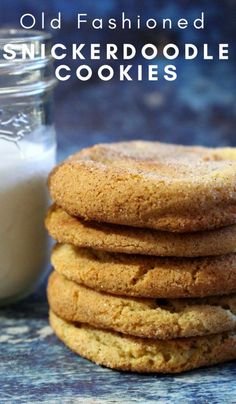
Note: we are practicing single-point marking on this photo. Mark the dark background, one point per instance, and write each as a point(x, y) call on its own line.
point(199, 107)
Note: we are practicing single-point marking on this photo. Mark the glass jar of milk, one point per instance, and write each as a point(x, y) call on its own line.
point(27, 154)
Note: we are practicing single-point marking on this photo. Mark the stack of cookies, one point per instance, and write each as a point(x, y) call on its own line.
point(145, 266)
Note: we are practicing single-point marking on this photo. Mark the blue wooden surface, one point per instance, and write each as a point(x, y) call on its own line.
point(36, 368)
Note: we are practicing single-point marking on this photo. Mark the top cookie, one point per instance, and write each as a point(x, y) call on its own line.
point(149, 184)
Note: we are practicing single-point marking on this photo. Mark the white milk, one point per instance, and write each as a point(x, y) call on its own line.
point(23, 203)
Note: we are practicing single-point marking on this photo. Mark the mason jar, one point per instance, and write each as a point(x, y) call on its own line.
point(27, 154)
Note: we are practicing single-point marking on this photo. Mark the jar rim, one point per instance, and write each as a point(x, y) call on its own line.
point(31, 83)
point(19, 35)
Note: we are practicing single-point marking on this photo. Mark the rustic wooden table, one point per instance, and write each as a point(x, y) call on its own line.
point(37, 368)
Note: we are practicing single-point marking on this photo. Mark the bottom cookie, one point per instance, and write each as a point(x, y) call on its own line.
point(121, 352)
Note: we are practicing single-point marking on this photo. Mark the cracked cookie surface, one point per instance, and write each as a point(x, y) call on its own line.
point(146, 276)
point(149, 318)
point(123, 352)
point(149, 184)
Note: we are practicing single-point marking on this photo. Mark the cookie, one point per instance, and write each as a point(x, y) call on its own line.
point(149, 318)
point(146, 276)
point(130, 240)
point(149, 184)
point(135, 354)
